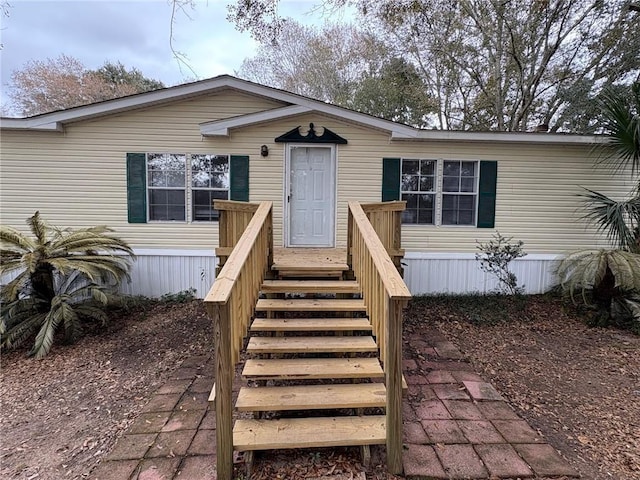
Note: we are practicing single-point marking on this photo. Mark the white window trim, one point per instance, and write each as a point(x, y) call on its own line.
point(188, 187)
point(191, 188)
point(475, 193)
point(434, 192)
point(439, 193)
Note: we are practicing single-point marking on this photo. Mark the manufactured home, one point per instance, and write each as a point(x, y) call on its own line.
point(150, 166)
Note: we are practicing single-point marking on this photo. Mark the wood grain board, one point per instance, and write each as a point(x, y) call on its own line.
point(311, 397)
point(309, 432)
point(312, 368)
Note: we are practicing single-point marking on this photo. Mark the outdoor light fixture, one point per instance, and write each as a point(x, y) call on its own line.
point(264, 151)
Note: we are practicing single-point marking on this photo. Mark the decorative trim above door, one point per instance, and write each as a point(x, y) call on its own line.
point(294, 136)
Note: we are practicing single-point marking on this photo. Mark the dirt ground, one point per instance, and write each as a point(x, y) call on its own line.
point(60, 415)
point(579, 387)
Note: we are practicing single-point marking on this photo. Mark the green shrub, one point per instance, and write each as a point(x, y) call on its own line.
point(495, 257)
point(184, 296)
point(63, 277)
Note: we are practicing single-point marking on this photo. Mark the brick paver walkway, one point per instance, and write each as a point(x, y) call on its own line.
point(456, 426)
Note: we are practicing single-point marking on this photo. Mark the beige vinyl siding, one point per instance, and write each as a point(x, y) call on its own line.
point(78, 178)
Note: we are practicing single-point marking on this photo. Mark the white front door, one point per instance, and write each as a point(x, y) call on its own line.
point(310, 196)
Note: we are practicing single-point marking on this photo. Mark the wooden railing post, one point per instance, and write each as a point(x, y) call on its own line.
point(386, 219)
point(349, 275)
point(393, 374)
point(372, 236)
point(246, 254)
point(224, 387)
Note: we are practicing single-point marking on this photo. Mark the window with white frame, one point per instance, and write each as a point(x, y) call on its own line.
point(451, 192)
point(166, 183)
point(209, 182)
point(459, 192)
point(418, 189)
point(169, 174)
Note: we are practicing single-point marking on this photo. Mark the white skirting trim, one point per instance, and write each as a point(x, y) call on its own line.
point(430, 273)
point(159, 271)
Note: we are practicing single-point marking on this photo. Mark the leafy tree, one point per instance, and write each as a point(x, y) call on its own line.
point(496, 64)
point(61, 277)
point(342, 65)
point(395, 92)
point(116, 75)
point(64, 82)
point(325, 64)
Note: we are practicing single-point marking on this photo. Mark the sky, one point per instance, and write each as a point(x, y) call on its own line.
point(135, 33)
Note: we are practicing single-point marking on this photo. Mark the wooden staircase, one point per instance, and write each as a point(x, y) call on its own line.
point(322, 361)
point(313, 369)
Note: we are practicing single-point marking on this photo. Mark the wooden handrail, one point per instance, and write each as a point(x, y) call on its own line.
point(232, 222)
point(230, 303)
point(385, 294)
point(386, 218)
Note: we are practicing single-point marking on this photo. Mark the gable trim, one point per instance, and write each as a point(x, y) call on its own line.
point(220, 128)
point(327, 137)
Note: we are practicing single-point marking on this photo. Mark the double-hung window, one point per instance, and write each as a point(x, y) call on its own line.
point(418, 189)
point(181, 187)
point(459, 192)
point(441, 192)
point(209, 182)
point(166, 184)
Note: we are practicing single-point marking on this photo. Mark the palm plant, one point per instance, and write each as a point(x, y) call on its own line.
point(610, 279)
point(60, 277)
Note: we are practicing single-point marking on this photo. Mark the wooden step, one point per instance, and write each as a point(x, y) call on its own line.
point(310, 324)
point(309, 432)
point(303, 267)
point(311, 397)
point(310, 305)
point(349, 344)
point(310, 286)
point(312, 368)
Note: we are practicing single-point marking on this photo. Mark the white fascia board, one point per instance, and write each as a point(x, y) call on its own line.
point(505, 137)
point(27, 124)
point(220, 128)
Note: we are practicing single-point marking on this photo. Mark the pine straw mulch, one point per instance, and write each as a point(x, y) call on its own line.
point(580, 387)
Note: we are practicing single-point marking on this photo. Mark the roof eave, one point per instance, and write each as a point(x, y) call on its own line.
point(29, 124)
point(503, 137)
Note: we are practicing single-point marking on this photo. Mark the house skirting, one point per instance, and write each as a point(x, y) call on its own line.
point(157, 272)
point(430, 273)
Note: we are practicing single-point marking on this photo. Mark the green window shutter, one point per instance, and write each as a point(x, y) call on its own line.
point(239, 178)
point(137, 187)
point(390, 179)
point(487, 194)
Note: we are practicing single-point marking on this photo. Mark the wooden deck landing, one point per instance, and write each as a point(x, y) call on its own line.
point(329, 262)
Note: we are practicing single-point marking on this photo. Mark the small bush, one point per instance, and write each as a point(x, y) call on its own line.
point(495, 257)
point(184, 296)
